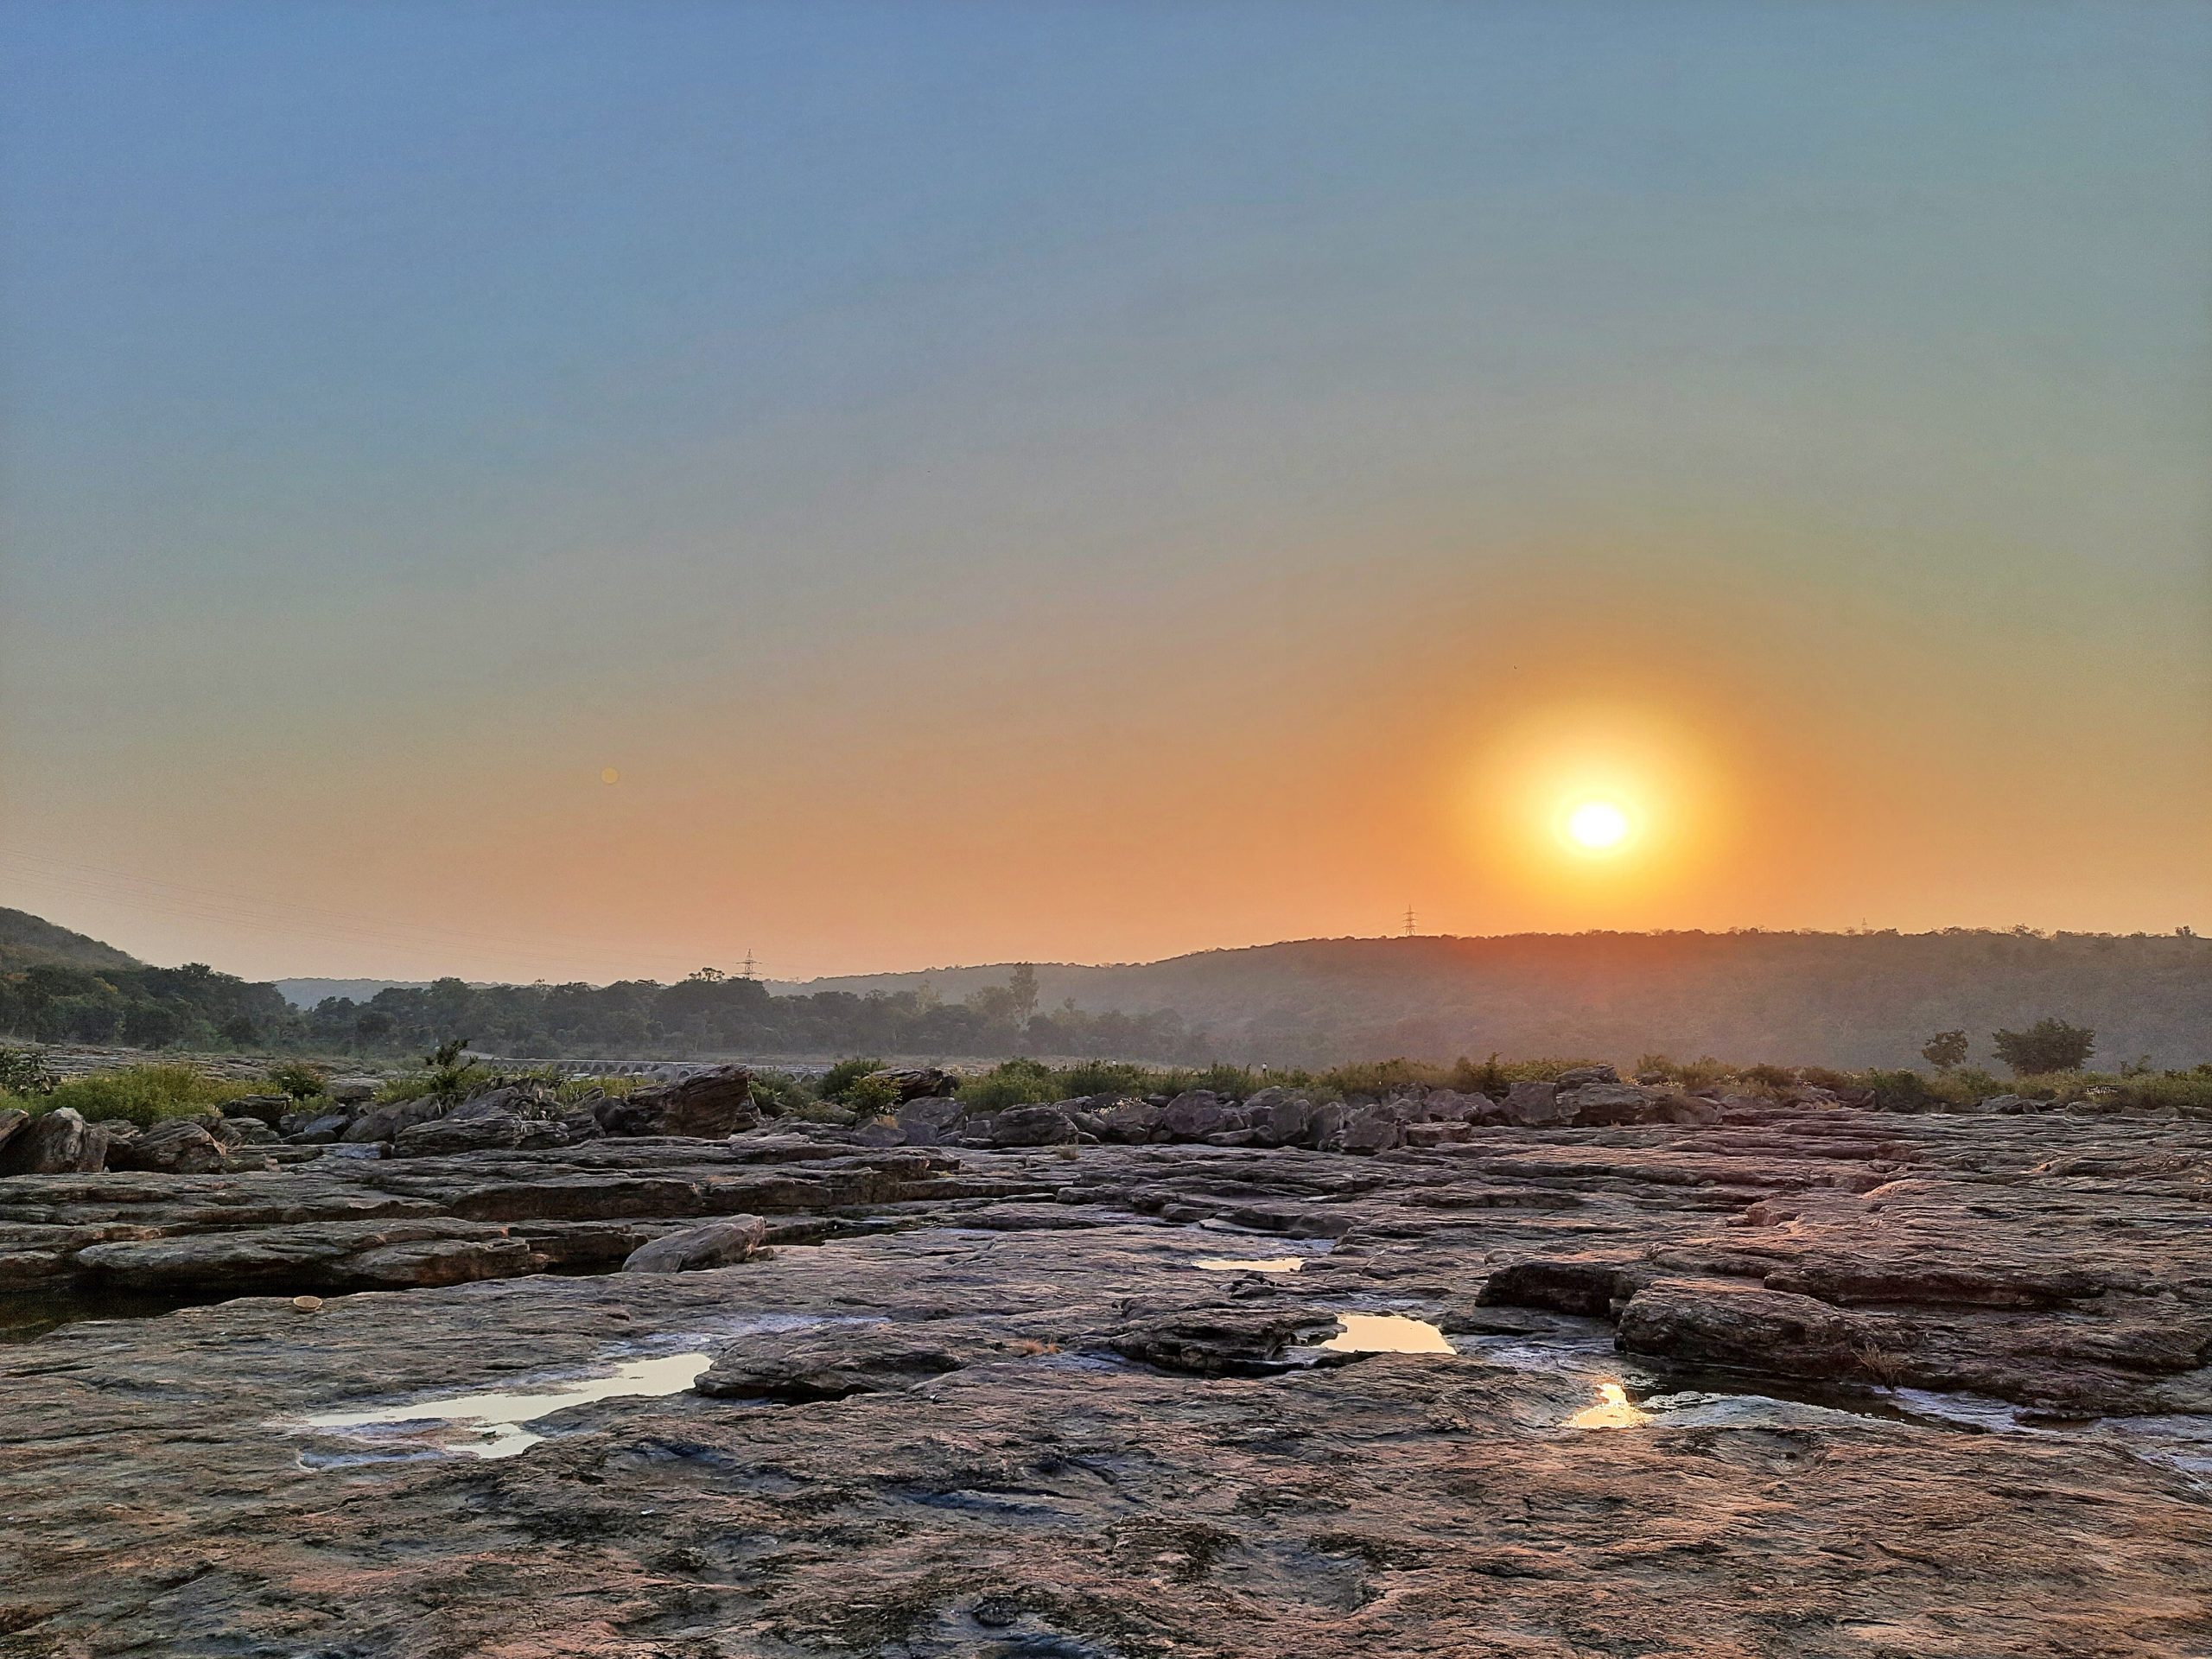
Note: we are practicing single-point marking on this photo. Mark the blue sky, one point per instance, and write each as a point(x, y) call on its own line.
point(965, 466)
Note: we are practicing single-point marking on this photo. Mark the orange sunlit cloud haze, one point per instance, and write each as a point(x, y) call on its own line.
point(1103, 493)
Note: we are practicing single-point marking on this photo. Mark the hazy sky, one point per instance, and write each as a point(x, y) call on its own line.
point(1093, 481)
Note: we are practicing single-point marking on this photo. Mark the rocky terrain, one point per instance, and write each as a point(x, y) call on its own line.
point(1593, 1369)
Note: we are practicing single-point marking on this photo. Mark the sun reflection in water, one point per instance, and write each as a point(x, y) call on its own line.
point(1612, 1411)
point(490, 1425)
point(1387, 1334)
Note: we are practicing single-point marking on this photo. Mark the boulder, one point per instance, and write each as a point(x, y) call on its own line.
point(385, 1121)
point(1212, 1342)
point(1197, 1113)
point(176, 1146)
point(442, 1137)
point(1434, 1134)
point(423, 1263)
point(1130, 1121)
point(716, 1244)
point(59, 1143)
point(13, 1122)
point(1450, 1106)
point(509, 1100)
point(1032, 1125)
point(244, 1131)
point(1289, 1122)
point(935, 1111)
point(269, 1108)
point(1371, 1128)
point(704, 1106)
point(915, 1081)
point(812, 1367)
point(1742, 1327)
point(1594, 1283)
point(1578, 1077)
point(353, 1091)
point(878, 1132)
point(1532, 1105)
point(317, 1131)
point(1673, 1107)
point(1600, 1104)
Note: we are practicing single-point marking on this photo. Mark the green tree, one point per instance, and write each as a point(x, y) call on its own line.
point(1022, 982)
point(1946, 1050)
point(2049, 1045)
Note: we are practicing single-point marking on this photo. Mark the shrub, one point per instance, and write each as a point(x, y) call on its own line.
point(1898, 1092)
point(448, 1076)
point(1963, 1087)
point(1107, 1078)
point(1234, 1081)
point(1376, 1077)
point(143, 1095)
point(2049, 1045)
point(297, 1078)
point(779, 1093)
point(1698, 1073)
point(1015, 1083)
point(2189, 1093)
point(23, 1072)
point(843, 1075)
point(1824, 1076)
point(870, 1097)
point(1946, 1050)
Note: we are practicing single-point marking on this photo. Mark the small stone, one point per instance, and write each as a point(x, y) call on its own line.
point(307, 1304)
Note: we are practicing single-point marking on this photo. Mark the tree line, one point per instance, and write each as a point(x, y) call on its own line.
point(709, 1013)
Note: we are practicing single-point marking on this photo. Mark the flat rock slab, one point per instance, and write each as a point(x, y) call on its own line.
point(1017, 1489)
point(990, 1402)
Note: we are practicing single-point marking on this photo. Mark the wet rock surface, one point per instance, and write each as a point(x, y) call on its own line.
point(1797, 1380)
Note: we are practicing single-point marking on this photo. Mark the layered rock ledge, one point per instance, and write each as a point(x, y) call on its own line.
point(1704, 1394)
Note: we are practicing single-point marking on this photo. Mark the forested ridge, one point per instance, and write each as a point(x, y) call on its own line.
point(1832, 999)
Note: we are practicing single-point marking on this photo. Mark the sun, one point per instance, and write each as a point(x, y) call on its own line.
point(1597, 826)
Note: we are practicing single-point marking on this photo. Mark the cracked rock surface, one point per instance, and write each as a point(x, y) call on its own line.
point(1788, 1382)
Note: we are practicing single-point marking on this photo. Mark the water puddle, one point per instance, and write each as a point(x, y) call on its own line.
point(1612, 1411)
point(1387, 1334)
point(492, 1424)
point(1629, 1398)
point(1256, 1264)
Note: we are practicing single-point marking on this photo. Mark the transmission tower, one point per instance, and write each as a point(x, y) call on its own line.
point(751, 966)
point(1409, 921)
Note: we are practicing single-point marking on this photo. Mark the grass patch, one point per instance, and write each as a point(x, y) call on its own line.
point(143, 1095)
point(446, 1082)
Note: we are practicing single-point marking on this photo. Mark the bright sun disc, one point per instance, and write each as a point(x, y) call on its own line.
point(1596, 826)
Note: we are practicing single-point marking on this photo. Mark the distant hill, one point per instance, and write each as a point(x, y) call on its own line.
point(306, 992)
point(1835, 999)
point(29, 940)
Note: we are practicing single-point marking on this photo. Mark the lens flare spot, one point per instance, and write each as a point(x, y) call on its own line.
point(610, 776)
